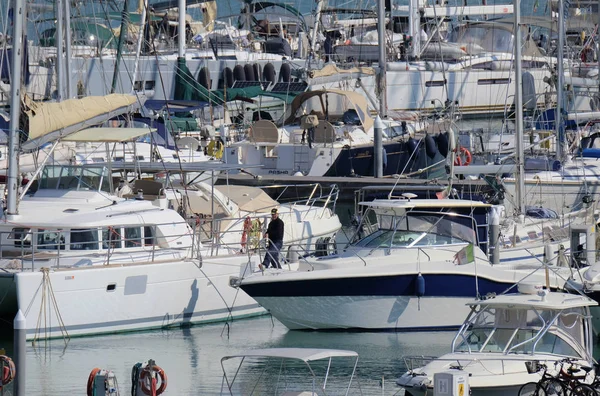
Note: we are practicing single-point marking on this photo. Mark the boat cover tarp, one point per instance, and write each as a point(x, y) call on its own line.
point(48, 121)
point(333, 70)
point(187, 88)
point(249, 199)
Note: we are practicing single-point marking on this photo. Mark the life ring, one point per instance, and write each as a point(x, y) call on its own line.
point(247, 229)
point(9, 372)
point(458, 161)
point(149, 386)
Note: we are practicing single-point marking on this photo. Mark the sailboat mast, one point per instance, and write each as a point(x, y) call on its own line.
point(315, 31)
point(59, 41)
point(560, 130)
point(122, 35)
point(520, 174)
point(15, 106)
point(382, 58)
point(68, 52)
point(181, 29)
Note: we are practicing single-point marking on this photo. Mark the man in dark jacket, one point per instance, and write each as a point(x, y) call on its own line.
point(274, 235)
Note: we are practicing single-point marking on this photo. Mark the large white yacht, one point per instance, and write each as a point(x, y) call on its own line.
point(91, 262)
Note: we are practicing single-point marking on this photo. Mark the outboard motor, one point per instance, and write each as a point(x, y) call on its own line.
point(102, 382)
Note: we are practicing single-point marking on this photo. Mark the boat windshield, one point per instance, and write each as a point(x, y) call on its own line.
point(74, 178)
point(420, 229)
point(523, 331)
point(486, 38)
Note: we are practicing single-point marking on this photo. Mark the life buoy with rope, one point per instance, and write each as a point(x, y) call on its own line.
point(245, 232)
point(149, 383)
point(9, 371)
point(463, 152)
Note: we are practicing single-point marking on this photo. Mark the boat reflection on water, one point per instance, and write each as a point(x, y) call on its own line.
point(190, 356)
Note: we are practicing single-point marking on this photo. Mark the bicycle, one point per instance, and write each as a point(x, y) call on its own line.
point(565, 383)
point(572, 380)
point(546, 386)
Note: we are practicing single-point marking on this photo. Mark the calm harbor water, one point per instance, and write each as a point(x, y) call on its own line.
point(191, 357)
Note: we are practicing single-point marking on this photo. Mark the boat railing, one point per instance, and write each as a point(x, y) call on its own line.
point(318, 196)
point(412, 362)
point(416, 362)
point(29, 249)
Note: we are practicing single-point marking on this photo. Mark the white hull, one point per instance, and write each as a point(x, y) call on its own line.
point(367, 312)
point(145, 297)
point(421, 90)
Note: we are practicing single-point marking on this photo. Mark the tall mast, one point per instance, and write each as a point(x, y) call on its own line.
point(560, 130)
point(519, 177)
point(382, 58)
point(122, 34)
point(15, 107)
point(60, 59)
point(181, 29)
point(68, 52)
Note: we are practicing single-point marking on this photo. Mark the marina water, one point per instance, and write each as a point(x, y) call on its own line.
point(191, 357)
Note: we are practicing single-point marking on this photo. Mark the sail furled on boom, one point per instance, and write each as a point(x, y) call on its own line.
point(43, 122)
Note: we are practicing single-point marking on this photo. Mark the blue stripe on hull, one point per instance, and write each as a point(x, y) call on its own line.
point(436, 285)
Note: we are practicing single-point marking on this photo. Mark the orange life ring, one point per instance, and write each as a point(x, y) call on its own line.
point(463, 152)
point(90, 383)
point(9, 372)
point(150, 387)
point(247, 228)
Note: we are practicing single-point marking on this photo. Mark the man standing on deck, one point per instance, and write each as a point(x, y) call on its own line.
point(275, 237)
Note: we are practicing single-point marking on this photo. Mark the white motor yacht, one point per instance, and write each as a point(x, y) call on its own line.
point(420, 265)
point(504, 332)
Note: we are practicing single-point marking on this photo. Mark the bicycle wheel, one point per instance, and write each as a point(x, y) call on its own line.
point(583, 390)
point(532, 389)
point(554, 387)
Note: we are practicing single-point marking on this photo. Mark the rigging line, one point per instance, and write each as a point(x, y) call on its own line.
point(237, 292)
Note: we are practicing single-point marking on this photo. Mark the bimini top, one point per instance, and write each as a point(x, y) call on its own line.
point(354, 100)
point(552, 300)
point(304, 354)
point(423, 203)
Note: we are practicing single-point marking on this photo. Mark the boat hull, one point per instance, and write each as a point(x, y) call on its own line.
point(376, 301)
point(103, 300)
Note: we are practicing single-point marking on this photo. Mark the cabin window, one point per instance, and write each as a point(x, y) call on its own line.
point(21, 236)
point(84, 239)
point(149, 236)
point(532, 235)
point(133, 237)
point(50, 240)
point(149, 85)
point(111, 238)
point(140, 157)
